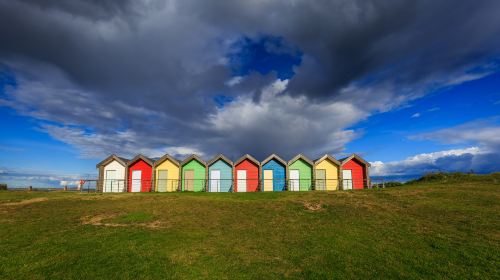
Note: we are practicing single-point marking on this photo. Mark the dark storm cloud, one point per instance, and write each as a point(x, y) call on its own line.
point(344, 41)
point(95, 9)
point(111, 72)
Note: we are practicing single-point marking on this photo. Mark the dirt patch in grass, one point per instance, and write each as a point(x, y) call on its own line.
point(102, 197)
point(313, 206)
point(25, 202)
point(115, 220)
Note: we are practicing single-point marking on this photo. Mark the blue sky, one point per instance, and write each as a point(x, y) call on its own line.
point(410, 94)
point(386, 135)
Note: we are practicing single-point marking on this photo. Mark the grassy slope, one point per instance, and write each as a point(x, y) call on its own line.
point(425, 230)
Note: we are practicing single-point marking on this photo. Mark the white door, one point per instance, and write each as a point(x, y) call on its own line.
point(347, 179)
point(294, 180)
point(110, 183)
point(242, 180)
point(136, 180)
point(215, 181)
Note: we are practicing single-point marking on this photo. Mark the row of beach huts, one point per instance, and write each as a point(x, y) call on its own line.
point(220, 174)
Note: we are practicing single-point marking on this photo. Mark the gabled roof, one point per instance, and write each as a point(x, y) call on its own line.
point(138, 157)
point(191, 157)
point(329, 157)
point(302, 157)
point(220, 157)
point(249, 157)
point(164, 158)
point(354, 156)
point(276, 157)
point(120, 160)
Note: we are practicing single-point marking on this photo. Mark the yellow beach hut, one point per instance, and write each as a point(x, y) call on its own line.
point(166, 174)
point(326, 173)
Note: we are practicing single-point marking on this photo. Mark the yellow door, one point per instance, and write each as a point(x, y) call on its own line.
point(268, 180)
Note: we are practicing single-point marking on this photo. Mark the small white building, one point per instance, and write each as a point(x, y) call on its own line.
point(112, 174)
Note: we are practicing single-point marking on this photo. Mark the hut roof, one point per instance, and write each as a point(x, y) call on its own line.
point(220, 157)
point(122, 161)
point(354, 156)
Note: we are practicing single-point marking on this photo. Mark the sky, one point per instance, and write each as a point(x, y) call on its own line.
point(411, 86)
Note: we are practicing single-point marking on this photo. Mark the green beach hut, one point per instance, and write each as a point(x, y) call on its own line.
point(300, 173)
point(193, 174)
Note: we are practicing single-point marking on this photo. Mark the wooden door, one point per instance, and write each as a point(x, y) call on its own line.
point(321, 179)
point(162, 181)
point(215, 180)
point(347, 179)
point(110, 183)
point(189, 180)
point(242, 180)
point(136, 180)
point(294, 180)
point(268, 181)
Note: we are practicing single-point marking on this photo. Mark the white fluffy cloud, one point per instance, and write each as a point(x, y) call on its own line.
point(483, 157)
point(427, 162)
point(25, 178)
point(286, 125)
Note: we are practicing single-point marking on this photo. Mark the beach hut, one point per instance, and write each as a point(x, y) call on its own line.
point(354, 172)
point(273, 174)
point(166, 174)
point(112, 174)
point(193, 174)
point(220, 174)
point(140, 173)
point(246, 174)
point(300, 173)
point(326, 173)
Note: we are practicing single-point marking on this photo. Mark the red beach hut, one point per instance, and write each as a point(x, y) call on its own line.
point(246, 174)
point(140, 170)
point(354, 172)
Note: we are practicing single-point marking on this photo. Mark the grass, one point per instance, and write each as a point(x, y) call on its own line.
point(440, 228)
point(133, 218)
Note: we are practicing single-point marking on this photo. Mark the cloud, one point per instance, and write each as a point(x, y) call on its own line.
point(449, 160)
point(482, 158)
point(142, 76)
point(283, 124)
point(26, 178)
point(482, 132)
point(416, 115)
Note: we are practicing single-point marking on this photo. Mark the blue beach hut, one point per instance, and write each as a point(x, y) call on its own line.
point(273, 174)
point(220, 174)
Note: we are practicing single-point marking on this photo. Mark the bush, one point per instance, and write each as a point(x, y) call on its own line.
point(455, 177)
point(3, 187)
point(388, 185)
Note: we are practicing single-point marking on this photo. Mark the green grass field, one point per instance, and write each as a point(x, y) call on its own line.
point(442, 228)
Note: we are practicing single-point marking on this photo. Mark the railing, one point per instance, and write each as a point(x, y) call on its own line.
point(140, 185)
point(352, 184)
point(114, 185)
point(326, 184)
point(223, 185)
point(275, 184)
point(166, 185)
